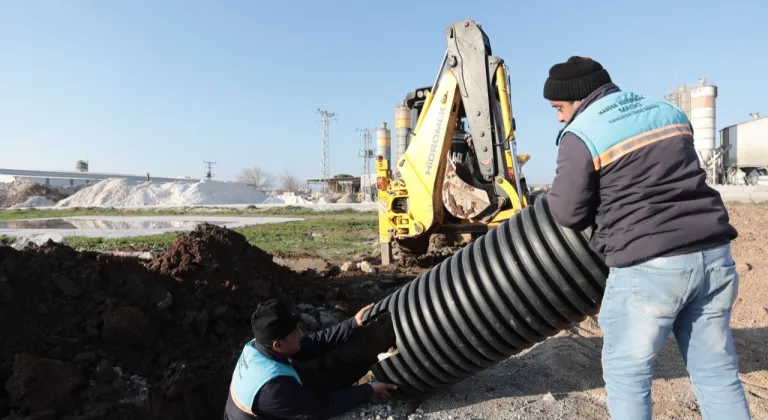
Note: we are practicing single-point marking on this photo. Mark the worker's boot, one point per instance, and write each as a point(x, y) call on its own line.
point(346, 364)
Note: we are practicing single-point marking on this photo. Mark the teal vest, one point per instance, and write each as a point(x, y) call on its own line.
point(253, 370)
point(622, 122)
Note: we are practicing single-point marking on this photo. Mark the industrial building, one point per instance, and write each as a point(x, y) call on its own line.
point(741, 157)
point(745, 156)
point(338, 184)
point(79, 176)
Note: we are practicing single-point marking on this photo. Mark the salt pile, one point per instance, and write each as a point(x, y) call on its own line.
point(287, 198)
point(117, 192)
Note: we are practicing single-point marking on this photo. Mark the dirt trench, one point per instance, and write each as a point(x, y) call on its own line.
point(88, 335)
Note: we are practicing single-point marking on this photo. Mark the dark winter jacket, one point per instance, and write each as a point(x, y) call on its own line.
point(284, 396)
point(627, 165)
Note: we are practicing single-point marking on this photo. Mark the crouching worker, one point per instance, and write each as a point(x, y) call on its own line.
point(285, 374)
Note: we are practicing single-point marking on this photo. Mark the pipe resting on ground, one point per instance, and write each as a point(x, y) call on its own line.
point(516, 286)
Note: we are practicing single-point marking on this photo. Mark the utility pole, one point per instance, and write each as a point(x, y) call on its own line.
point(367, 154)
point(325, 160)
point(209, 165)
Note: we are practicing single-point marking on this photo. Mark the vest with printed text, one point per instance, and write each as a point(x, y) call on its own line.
point(253, 370)
point(622, 122)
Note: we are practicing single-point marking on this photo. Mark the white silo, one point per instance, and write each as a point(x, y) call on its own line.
point(402, 130)
point(383, 142)
point(703, 119)
point(680, 96)
point(685, 99)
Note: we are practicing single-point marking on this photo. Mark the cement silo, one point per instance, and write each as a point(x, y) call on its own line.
point(383, 142)
point(402, 129)
point(681, 97)
point(703, 119)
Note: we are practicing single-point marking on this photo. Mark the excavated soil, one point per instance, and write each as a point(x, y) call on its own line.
point(89, 335)
point(440, 248)
point(19, 191)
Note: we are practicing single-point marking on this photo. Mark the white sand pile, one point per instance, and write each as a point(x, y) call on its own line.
point(116, 192)
point(287, 198)
point(33, 202)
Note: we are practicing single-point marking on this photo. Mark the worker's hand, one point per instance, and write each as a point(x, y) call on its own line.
point(382, 388)
point(359, 315)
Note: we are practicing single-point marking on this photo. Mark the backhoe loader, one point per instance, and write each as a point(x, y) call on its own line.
point(451, 180)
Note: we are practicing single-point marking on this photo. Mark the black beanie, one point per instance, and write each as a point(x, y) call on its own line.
point(575, 79)
point(272, 321)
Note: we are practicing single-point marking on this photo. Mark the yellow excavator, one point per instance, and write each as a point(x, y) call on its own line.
point(450, 180)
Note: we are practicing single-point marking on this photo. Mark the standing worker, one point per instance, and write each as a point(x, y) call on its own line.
point(266, 383)
point(627, 165)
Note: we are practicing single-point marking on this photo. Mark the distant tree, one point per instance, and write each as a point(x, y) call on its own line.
point(290, 182)
point(256, 178)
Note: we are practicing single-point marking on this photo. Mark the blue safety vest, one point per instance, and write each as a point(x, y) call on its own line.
point(253, 370)
point(622, 122)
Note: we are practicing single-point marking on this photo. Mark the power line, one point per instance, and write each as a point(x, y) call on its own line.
point(209, 164)
point(367, 154)
point(325, 160)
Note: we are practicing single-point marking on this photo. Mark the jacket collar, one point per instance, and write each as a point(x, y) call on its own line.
point(601, 92)
point(271, 353)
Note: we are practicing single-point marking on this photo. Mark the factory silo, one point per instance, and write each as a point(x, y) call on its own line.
point(684, 95)
point(673, 97)
point(703, 119)
point(402, 129)
point(680, 96)
point(383, 142)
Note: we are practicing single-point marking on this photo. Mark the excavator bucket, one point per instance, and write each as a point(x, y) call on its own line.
point(463, 200)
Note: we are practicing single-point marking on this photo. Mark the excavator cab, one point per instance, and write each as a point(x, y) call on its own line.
point(457, 174)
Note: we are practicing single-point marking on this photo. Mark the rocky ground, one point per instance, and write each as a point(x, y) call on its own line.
point(93, 335)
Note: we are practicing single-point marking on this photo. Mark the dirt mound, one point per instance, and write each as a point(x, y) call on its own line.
point(20, 190)
point(215, 258)
point(124, 338)
point(348, 198)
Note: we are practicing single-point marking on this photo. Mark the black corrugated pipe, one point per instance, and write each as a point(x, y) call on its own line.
point(517, 285)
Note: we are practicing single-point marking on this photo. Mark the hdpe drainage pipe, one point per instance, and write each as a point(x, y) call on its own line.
point(517, 285)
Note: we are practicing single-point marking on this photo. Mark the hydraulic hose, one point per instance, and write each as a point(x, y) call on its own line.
point(515, 286)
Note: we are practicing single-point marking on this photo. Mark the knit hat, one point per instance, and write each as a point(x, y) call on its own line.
point(575, 79)
point(272, 321)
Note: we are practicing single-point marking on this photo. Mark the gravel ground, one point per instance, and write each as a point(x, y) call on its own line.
point(562, 377)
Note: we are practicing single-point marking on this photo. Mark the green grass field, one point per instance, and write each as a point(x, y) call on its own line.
point(333, 235)
point(189, 211)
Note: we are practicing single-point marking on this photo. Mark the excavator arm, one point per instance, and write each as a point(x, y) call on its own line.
point(470, 62)
point(450, 177)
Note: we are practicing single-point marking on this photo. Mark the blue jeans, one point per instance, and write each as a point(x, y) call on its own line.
point(691, 296)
